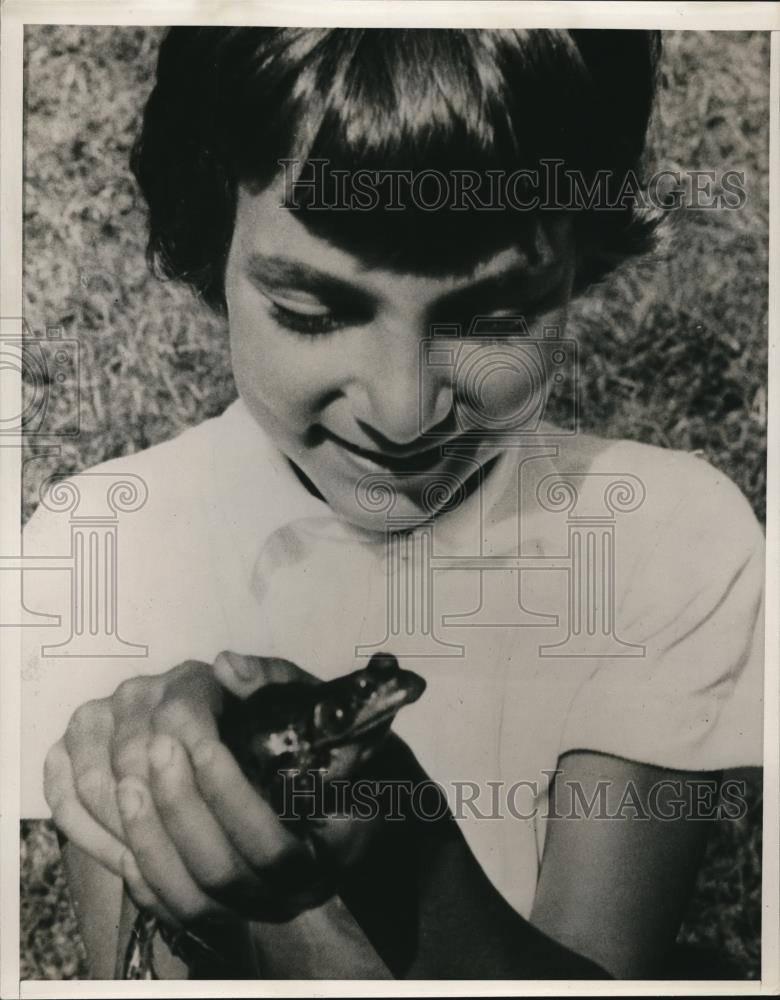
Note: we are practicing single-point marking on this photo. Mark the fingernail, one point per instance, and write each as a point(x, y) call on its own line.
point(203, 754)
point(161, 752)
point(241, 666)
point(131, 802)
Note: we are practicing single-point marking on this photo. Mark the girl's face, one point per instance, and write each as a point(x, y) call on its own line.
point(337, 363)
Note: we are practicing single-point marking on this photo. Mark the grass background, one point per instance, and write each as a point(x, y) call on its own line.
point(673, 350)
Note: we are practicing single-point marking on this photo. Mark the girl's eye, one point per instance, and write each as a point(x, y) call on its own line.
point(303, 320)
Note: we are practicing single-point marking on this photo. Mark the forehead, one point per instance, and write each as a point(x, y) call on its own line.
point(265, 228)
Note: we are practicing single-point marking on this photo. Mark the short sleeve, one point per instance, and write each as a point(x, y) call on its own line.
point(693, 698)
point(118, 581)
point(138, 564)
point(57, 675)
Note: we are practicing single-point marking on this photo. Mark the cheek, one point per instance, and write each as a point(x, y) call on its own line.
point(270, 371)
point(501, 384)
point(256, 360)
point(506, 383)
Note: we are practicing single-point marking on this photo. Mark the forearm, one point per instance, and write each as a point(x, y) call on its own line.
point(106, 916)
point(434, 914)
point(617, 889)
point(430, 911)
point(325, 942)
point(96, 895)
point(469, 931)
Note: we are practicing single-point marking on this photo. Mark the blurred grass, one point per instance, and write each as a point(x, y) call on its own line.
point(673, 350)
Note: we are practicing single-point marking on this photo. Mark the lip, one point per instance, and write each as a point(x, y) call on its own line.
point(421, 460)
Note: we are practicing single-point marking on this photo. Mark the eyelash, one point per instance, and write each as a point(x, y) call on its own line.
point(314, 325)
point(311, 325)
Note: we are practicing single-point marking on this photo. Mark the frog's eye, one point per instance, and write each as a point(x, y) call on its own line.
point(330, 718)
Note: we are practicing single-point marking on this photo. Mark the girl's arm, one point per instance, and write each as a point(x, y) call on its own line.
point(610, 892)
point(609, 901)
point(615, 889)
point(106, 915)
point(425, 903)
point(96, 895)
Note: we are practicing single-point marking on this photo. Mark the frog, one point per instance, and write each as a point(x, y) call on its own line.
point(282, 732)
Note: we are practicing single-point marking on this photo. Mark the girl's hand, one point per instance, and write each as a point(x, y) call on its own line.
point(141, 782)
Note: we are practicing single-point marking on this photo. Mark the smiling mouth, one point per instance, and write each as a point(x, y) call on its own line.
point(416, 461)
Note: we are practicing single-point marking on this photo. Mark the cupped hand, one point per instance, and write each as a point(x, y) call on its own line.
point(141, 782)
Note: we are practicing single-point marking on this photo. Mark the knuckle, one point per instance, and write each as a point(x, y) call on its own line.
point(131, 756)
point(183, 671)
point(84, 720)
point(172, 715)
point(170, 797)
point(130, 692)
point(224, 880)
point(93, 785)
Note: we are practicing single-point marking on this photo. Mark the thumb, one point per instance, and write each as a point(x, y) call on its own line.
point(242, 674)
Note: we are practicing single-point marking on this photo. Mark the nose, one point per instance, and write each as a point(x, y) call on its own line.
point(406, 398)
point(383, 664)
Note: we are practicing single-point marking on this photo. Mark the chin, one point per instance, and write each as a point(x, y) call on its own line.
point(381, 502)
point(382, 511)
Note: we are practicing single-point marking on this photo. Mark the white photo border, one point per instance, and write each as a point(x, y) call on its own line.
point(15, 14)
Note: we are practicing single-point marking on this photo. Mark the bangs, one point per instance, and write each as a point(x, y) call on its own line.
point(246, 105)
point(395, 102)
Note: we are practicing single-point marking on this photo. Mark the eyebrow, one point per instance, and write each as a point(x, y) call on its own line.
point(539, 280)
point(287, 271)
point(280, 270)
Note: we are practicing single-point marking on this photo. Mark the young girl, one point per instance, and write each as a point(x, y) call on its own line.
point(394, 223)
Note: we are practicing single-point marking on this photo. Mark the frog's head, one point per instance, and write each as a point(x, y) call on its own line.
point(361, 706)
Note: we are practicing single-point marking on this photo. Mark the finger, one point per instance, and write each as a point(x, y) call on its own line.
point(141, 892)
point(248, 820)
point(132, 705)
point(88, 740)
point(201, 842)
point(242, 675)
point(72, 818)
point(190, 706)
point(157, 857)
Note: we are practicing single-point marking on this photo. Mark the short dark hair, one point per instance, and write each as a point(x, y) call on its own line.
point(230, 103)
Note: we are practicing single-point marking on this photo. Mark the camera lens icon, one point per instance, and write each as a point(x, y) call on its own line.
point(18, 364)
point(485, 374)
point(40, 386)
point(501, 383)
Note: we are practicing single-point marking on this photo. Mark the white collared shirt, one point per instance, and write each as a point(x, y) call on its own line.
point(598, 595)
